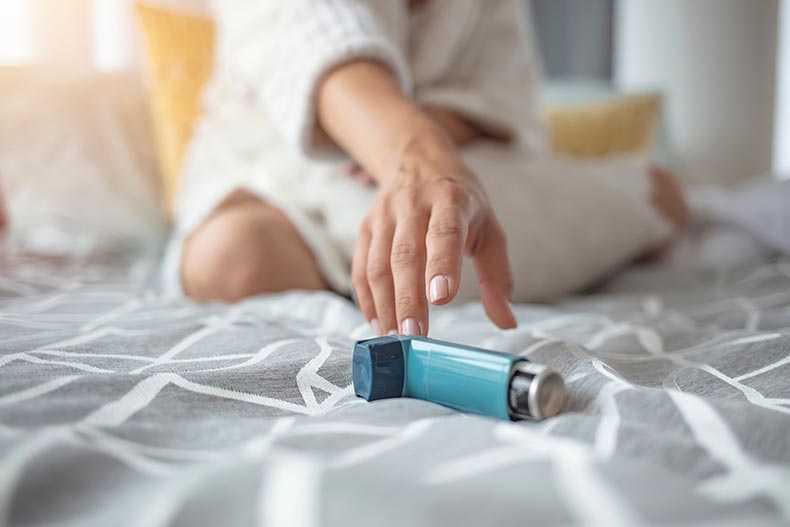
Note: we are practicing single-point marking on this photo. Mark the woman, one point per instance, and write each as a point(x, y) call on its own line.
point(436, 102)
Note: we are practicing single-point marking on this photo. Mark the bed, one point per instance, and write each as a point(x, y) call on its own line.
point(120, 406)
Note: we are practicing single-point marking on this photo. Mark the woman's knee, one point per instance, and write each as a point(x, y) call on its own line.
point(244, 251)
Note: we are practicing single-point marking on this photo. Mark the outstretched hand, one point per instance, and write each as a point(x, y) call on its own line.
point(411, 245)
point(430, 210)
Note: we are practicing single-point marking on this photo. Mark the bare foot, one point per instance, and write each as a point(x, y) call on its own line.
point(669, 201)
point(668, 198)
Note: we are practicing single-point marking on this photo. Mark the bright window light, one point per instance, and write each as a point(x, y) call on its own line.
point(16, 36)
point(112, 34)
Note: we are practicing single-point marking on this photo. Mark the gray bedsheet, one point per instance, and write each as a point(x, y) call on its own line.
point(121, 407)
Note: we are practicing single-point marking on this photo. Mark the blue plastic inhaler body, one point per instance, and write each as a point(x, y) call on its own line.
point(461, 377)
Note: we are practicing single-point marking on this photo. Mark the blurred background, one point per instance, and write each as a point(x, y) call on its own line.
point(716, 74)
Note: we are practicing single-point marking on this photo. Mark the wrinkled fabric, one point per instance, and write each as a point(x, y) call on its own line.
point(119, 406)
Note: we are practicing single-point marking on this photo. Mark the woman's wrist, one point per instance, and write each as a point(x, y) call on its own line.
point(460, 130)
point(361, 108)
point(421, 143)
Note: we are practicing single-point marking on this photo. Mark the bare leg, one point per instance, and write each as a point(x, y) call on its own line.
point(244, 248)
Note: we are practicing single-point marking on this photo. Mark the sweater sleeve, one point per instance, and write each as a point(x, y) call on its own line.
point(495, 72)
point(284, 50)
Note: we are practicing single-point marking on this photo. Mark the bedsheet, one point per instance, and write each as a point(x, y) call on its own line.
point(119, 406)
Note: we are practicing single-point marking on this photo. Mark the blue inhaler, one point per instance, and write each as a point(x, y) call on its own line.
point(462, 377)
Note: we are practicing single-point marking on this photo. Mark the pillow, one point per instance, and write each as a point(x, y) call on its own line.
point(623, 124)
point(77, 166)
point(179, 52)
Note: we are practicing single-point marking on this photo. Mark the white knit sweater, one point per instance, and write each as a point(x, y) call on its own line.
point(567, 222)
point(469, 55)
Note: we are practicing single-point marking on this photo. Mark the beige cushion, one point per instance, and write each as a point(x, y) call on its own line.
point(77, 164)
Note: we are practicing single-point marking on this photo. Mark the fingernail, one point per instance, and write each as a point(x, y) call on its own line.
point(392, 332)
point(411, 327)
point(440, 288)
point(376, 326)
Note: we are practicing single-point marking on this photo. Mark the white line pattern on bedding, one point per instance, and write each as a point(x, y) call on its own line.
point(119, 406)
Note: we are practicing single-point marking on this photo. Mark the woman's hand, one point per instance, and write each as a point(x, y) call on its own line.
point(412, 243)
point(429, 212)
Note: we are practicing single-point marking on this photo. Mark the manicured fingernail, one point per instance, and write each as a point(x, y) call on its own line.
point(440, 288)
point(411, 327)
point(392, 332)
point(376, 326)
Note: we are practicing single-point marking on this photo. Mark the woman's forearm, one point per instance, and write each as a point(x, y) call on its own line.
point(361, 108)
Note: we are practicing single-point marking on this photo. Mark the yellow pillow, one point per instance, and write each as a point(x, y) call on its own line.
point(620, 125)
point(179, 52)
